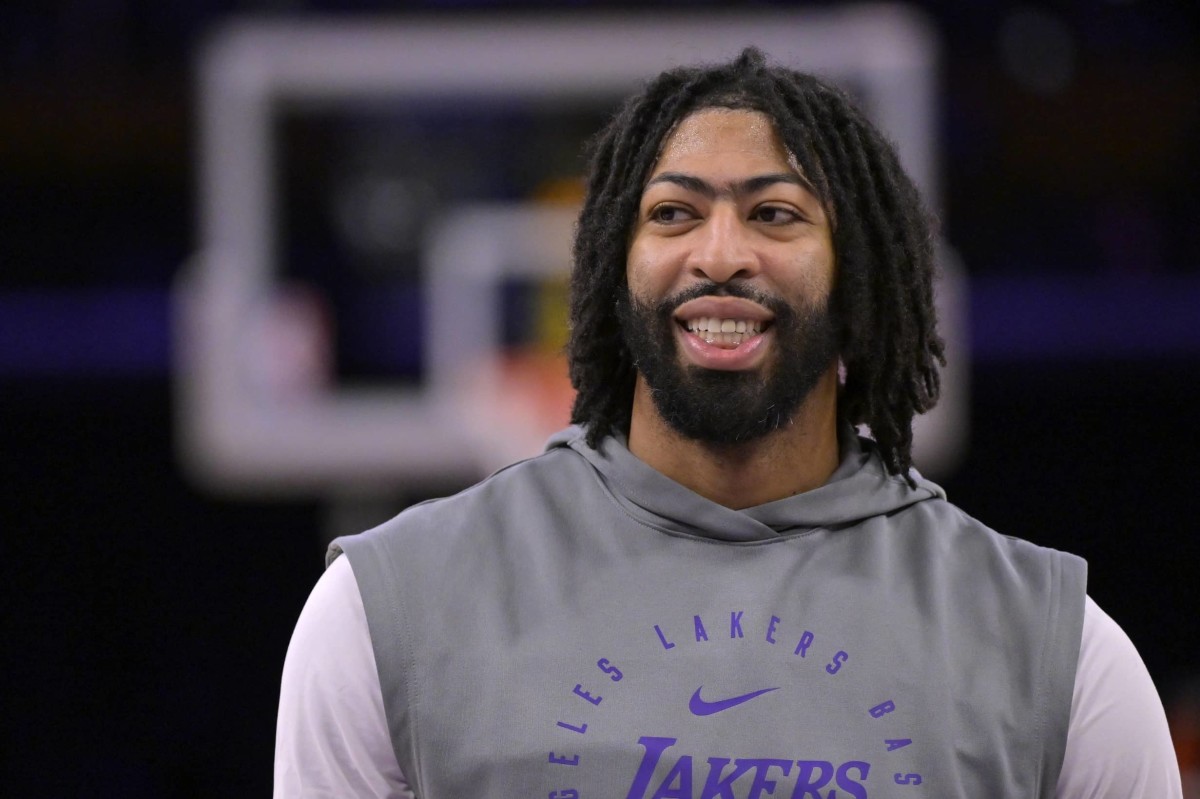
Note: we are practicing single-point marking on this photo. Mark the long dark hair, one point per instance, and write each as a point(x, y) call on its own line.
point(883, 297)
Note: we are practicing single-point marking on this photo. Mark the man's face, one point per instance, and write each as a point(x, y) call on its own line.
point(730, 269)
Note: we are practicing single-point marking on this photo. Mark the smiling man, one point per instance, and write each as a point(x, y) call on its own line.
point(711, 587)
point(729, 273)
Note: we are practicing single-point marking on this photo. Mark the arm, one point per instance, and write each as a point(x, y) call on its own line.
point(1118, 744)
point(332, 737)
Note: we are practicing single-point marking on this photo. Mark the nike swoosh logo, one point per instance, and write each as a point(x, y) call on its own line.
point(701, 708)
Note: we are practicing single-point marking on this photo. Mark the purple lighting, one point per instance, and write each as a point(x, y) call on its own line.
point(1068, 317)
point(118, 332)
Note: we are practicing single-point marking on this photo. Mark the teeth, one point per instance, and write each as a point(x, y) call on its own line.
point(724, 332)
point(714, 325)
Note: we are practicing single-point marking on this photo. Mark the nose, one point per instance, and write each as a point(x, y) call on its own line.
point(723, 249)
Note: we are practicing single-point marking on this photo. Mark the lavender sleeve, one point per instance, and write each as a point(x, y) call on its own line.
point(1118, 743)
point(332, 736)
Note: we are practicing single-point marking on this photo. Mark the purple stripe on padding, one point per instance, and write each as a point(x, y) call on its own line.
point(1065, 317)
point(113, 331)
point(126, 331)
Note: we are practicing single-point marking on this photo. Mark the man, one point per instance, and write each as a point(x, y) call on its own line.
point(711, 587)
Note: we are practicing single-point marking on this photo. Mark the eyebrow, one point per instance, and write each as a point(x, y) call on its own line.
point(739, 189)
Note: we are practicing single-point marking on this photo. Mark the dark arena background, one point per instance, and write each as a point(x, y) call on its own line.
point(151, 580)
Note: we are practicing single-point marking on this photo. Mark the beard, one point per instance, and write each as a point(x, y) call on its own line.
point(723, 407)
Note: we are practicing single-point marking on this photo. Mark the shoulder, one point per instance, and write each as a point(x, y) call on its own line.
point(489, 532)
point(947, 528)
point(512, 492)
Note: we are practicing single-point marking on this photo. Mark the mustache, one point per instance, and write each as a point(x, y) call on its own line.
point(777, 305)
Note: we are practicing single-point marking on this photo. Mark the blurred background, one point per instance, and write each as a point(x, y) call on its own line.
point(148, 597)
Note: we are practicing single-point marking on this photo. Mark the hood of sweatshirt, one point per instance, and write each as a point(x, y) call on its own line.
point(859, 489)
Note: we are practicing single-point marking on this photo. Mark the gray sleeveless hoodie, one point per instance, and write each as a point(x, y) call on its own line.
point(579, 625)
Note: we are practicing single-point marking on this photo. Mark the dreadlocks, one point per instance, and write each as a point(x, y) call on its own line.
point(883, 295)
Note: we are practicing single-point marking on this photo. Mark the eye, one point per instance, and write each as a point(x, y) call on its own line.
point(775, 215)
point(668, 214)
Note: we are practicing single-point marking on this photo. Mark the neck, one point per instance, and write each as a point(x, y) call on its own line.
point(795, 458)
